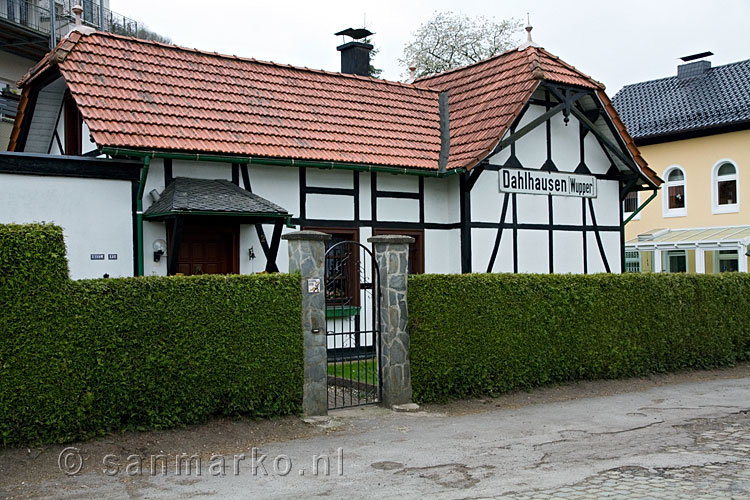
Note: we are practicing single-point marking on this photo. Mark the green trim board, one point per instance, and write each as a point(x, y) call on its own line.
point(342, 311)
point(283, 162)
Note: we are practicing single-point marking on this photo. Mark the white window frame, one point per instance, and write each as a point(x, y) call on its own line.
point(673, 212)
point(637, 204)
point(729, 208)
point(718, 258)
point(675, 252)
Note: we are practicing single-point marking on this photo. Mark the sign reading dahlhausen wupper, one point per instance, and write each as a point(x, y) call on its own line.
point(513, 180)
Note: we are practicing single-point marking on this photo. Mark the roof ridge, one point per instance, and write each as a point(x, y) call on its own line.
point(259, 61)
point(53, 57)
point(572, 68)
point(670, 77)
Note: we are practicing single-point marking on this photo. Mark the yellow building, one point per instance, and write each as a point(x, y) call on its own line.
point(693, 129)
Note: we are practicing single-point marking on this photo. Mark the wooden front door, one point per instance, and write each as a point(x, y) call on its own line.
point(209, 249)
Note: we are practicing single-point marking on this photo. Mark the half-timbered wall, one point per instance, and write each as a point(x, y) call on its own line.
point(545, 233)
point(468, 224)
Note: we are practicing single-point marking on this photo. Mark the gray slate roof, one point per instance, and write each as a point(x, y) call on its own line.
point(185, 195)
point(717, 98)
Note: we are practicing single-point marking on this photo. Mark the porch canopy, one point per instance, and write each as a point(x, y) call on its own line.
point(203, 197)
point(194, 199)
point(700, 240)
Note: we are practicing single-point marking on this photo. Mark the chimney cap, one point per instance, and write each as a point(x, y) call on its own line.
point(356, 34)
point(693, 57)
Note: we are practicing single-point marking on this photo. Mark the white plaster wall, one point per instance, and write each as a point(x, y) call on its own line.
point(531, 149)
point(568, 252)
point(611, 242)
point(442, 250)
point(394, 182)
point(279, 185)
point(532, 209)
point(566, 150)
point(95, 215)
point(504, 258)
point(329, 178)
point(60, 128)
point(365, 205)
point(502, 156)
point(441, 200)
point(201, 170)
point(398, 210)
point(533, 251)
point(567, 210)
point(88, 143)
point(329, 206)
point(596, 160)
point(486, 198)
point(482, 241)
point(153, 231)
point(606, 204)
point(594, 258)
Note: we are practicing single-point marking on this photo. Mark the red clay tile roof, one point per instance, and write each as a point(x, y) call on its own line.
point(139, 94)
point(481, 112)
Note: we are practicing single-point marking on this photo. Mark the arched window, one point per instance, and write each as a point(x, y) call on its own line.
point(674, 199)
point(725, 187)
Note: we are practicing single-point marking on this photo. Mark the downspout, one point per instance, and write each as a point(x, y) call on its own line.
point(139, 211)
point(641, 207)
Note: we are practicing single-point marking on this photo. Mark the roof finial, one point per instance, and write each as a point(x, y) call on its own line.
point(77, 10)
point(529, 27)
point(529, 41)
point(79, 26)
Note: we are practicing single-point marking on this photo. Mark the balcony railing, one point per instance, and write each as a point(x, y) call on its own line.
point(33, 15)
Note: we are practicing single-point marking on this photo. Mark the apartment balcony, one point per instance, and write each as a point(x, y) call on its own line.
point(25, 28)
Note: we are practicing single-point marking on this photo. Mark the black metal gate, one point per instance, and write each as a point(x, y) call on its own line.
point(352, 324)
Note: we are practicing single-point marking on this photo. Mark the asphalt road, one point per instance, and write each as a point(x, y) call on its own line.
point(689, 440)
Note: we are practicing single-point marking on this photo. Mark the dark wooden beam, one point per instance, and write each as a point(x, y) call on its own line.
point(273, 252)
point(605, 140)
point(174, 245)
point(474, 176)
point(528, 128)
point(465, 213)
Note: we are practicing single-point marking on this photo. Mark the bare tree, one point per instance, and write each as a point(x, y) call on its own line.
point(451, 40)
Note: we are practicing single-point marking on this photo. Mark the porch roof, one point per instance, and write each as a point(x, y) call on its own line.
point(707, 237)
point(188, 196)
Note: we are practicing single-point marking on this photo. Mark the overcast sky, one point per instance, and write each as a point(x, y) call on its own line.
point(617, 43)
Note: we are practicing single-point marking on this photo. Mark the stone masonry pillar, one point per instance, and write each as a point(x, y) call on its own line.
point(307, 251)
point(392, 257)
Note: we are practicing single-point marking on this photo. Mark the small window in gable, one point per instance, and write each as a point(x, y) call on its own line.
point(724, 195)
point(630, 203)
point(674, 193)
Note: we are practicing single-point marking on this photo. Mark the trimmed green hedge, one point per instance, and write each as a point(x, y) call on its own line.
point(82, 358)
point(485, 334)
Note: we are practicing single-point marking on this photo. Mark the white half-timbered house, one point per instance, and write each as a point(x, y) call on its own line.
point(158, 159)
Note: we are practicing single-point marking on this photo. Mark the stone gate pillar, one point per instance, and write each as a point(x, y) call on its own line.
point(392, 257)
point(307, 251)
